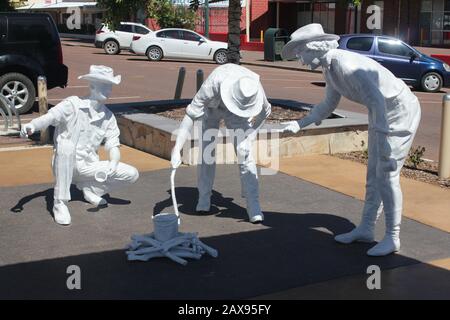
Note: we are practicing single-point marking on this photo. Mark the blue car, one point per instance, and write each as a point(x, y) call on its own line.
point(405, 62)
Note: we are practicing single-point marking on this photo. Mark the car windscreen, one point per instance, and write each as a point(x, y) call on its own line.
point(360, 43)
point(22, 29)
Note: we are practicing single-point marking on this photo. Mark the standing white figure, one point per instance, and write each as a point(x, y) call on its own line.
point(82, 124)
point(235, 94)
point(394, 116)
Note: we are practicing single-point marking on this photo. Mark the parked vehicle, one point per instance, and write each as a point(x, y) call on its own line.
point(179, 43)
point(29, 47)
point(405, 62)
point(114, 41)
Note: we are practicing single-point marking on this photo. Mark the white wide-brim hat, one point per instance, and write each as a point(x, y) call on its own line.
point(243, 95)
point(303, 35)
point(102, 74)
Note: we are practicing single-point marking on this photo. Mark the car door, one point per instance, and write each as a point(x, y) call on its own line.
point(124, 34)
point(396, 56)
point(196, 47)
point(171, 42)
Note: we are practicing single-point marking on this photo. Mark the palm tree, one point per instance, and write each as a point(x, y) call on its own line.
point(234, 31)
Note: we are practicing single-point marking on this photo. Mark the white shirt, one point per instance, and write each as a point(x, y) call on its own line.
point(209, 94)
point(95, 126)
point(362, 80)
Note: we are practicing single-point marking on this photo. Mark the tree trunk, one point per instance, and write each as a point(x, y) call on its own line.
point(234, 31)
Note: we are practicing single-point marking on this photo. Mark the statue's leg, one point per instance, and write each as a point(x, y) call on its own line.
point(206, 169)
point(61, 193)
point(247, 166)
point(373, 207)
point(94, 190)
point(389, 187)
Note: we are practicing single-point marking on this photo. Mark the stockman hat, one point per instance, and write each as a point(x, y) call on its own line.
point(303, 35)
point(242, 95)
point(101, 74)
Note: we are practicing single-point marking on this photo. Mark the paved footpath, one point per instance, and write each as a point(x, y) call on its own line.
point(304, 207)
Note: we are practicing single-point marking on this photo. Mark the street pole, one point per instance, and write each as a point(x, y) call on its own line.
point(207, 18)
point(444, 150)
point(43, 105)
point(247, 20)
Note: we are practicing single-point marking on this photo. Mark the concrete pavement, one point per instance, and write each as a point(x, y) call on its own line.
point(303, 211)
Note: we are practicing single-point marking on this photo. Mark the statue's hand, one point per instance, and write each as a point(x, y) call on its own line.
point(175, 159)
point(290, 126)
point(27, 130)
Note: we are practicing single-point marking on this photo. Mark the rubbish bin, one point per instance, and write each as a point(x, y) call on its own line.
point(274, 40)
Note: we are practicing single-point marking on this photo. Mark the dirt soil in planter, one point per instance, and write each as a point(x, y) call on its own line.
point(425, 172)
point(279, 114)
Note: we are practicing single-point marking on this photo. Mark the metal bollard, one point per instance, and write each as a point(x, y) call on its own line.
point(444, 150)
point(200, 76)
point(180, 82)
point(43, 105)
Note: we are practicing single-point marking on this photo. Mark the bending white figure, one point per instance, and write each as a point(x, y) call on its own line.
point(232, 93)
point(394, 116)
point(81, 126)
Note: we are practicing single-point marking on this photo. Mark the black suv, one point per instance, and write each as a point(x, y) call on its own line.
point(29, 47)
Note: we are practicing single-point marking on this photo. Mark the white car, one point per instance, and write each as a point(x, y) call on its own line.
point(113, 41)
point(179, 43)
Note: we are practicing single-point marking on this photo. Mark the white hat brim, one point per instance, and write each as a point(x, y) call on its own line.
point(226, 90)
point(99, 78)
point(290, 50)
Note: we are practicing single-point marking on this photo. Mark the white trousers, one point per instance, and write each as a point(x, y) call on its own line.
point(383, 190)
point(83, 177)
point(243, 149)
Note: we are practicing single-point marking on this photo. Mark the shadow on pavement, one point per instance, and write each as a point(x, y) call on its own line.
point(291, 250)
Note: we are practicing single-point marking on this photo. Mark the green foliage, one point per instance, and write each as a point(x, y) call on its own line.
point(120, 10)
point(415, 157)
point(169, 15)
point(355, 2)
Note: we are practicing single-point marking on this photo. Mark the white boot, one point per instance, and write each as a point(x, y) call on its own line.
point(61, 213)
point(365, 231)
point(93, 198)
point(204, 204)
point(254, 212)
point(391, 240)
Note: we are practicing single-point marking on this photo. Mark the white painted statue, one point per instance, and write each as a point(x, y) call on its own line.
point(394, 116)
point(82, 124)
point(234, 94)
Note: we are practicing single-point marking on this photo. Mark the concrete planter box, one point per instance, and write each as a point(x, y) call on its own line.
point(343, 132)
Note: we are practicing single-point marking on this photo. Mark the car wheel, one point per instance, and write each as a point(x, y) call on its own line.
point(19, 89)
point(431, 82)
point(220, 57)
point(154, 53)
point(111, 47)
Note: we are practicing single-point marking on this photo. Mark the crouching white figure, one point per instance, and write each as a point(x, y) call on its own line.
point(394, 116)
point(81, 126)
point(234, 94)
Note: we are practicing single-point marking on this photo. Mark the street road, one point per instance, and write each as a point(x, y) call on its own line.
point(145, 80)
